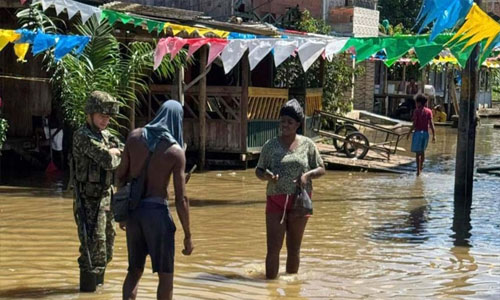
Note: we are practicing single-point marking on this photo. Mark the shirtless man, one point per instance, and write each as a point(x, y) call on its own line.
point(150, 228)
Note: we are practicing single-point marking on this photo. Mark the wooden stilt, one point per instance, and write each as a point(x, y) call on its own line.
point(245, 76)
point(203, 107)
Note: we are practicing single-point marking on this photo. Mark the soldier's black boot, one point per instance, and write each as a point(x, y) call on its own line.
point(99, 279)
point(87, 281)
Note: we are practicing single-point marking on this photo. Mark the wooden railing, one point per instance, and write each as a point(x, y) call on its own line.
point(313, 101)
point(265, 103)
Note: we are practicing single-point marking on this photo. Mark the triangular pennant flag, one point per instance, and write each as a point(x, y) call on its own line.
point(233, 53)
point(216, 48)
point(43, 42)
point(152, 25)
point(20, 50)
point(67, 43)
point(87, 11)
point(309, 52)
point(195, 44)
point(283, 49)
point(124, 18)
point(8, 36)
point(137, 21)
point(160, 52)
point(110, 15)
point(59, 6)
point(258, 51)
point(174, 45)
point(46, 4)
point(334, 47)
point(427, 53)
point(72, 8)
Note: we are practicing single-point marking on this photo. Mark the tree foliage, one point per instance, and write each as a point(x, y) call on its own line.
point(122, 70)
point(4, 126)
point(337, 74)
point(403, 12)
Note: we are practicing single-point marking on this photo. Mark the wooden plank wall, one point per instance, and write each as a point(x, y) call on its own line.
point(222, 136)
point(23, 89)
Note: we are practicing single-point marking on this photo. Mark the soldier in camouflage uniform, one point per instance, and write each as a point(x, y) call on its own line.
point(96, 154)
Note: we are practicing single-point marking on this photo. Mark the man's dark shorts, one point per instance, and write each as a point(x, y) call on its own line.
point(151, 230)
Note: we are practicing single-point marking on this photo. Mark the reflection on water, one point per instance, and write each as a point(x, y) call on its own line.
point(372, 236)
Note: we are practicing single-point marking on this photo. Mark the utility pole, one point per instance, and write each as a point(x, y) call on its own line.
point(464, 170)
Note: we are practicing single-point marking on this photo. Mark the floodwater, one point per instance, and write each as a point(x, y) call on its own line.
point(372, 236)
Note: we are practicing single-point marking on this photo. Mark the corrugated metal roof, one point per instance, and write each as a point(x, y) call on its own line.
point(189, 17)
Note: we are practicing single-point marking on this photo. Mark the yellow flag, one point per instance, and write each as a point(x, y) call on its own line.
point(21, 50)
point(8, 36)
point(478, 26)
point(176, 29)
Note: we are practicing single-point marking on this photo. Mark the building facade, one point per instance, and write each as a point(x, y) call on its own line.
point(492, 6)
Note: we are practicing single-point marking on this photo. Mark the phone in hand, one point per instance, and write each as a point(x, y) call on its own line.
point(269, 173)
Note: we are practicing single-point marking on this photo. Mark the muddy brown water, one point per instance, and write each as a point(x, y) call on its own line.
point(372, 236)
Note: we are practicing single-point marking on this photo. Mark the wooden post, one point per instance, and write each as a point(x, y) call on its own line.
point(404, 79)
point(178, 86)
point(203, 107)
point(150, 113)
point(245, 75)
point(353, 77)
point(322, 65)
point(453, 94)
point(386, 98)
point(131, 116)
point(464, 169)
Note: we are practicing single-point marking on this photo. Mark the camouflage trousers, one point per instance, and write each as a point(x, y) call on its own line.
point(100, 234)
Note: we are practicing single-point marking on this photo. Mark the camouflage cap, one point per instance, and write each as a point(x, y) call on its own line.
point(102, 102)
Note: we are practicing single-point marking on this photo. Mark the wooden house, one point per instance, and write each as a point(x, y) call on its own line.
point(24, 88)
point(227, 118)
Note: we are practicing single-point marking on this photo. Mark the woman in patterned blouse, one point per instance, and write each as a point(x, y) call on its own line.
point(285, 162)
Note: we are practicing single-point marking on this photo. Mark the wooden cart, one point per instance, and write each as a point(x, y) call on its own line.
point(356, 137)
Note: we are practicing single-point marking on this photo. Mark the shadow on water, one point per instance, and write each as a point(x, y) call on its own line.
point(215, 202)
point(411, 229)
point(230, 277)
point(38, 292)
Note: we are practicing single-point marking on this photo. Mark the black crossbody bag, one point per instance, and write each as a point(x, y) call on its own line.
point(129, 196)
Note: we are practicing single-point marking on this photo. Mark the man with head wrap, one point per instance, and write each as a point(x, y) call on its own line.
point(285, 162)
point(150, 228)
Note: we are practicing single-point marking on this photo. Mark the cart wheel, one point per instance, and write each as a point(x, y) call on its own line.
point(343, 130)
point(356, 145)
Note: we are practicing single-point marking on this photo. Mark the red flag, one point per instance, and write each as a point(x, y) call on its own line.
point(23, 1)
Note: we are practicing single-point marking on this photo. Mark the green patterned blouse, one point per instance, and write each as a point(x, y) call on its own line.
point(289, 164)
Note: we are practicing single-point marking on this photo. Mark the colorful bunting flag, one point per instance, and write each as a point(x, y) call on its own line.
point(309, 52)
point(72, 8)
point(41, 42)
point(283, 49)
point(445, 14)
point(478, 27)
point(216, 48)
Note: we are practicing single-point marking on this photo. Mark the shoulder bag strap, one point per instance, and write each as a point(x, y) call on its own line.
point(144, 172)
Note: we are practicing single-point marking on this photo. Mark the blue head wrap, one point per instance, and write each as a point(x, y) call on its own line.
point(167, 125)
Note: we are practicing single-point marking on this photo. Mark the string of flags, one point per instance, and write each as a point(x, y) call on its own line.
point(476, 27)
point(72, 8)
point(40, 41)
point(232, 50)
